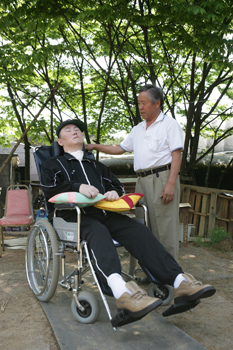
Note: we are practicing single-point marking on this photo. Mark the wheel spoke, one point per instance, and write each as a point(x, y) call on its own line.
point(42, 262)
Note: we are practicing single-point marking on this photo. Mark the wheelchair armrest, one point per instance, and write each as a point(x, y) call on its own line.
point(65, 205)
point(139, 203)
point(61, 206)
point(144, 208)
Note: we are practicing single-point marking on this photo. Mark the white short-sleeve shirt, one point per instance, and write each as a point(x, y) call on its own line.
point(153, 146)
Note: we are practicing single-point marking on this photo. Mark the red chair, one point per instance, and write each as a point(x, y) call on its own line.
point(18, 209)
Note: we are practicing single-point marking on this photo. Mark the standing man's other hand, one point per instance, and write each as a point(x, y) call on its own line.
point(168, 194)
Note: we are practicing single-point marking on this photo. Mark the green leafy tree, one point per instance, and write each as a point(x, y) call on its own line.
point(104, 50)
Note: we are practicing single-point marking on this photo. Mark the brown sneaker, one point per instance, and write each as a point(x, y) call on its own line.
point(137, 304)
point(192, 289)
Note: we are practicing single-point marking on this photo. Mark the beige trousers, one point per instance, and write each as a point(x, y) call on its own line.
point(163, 218)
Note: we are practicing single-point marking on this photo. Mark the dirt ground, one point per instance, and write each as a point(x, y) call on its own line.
point(24, 326)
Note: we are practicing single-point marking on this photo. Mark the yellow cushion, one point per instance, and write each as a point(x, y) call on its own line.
point(124, 203)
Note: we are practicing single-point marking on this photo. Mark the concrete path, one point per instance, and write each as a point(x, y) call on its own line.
point(152, 332)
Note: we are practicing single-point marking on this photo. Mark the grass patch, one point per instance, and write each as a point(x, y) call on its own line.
point(217, 235)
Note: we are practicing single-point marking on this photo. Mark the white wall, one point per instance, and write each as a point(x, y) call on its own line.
point(20, 152)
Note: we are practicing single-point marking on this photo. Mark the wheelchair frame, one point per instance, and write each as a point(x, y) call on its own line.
point(44, 247)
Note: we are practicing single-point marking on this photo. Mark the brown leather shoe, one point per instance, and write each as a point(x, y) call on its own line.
point(192, 289)
point(137, 304)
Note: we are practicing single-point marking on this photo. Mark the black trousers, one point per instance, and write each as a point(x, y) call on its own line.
point(99, 228)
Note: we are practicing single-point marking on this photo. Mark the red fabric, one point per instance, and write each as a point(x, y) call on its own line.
point(18, 203)
point(16, 220)
point(128, 200)
point(18, 211)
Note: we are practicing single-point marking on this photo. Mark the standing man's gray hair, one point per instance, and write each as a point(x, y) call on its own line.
point(154, 93)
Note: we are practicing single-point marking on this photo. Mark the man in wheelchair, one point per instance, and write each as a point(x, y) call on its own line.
point(72, 172)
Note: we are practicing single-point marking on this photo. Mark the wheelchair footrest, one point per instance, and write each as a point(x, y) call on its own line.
point(181, 307)
point(122, 318)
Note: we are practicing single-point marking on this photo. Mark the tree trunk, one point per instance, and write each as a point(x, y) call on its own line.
point(27, 160)
point(190, 114)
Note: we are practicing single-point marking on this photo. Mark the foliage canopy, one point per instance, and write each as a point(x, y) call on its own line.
point(103, 51)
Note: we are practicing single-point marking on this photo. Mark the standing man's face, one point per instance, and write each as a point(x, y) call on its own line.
point(147, 109)
point(71, 138)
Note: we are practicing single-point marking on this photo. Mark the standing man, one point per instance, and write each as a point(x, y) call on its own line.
point(157, 144)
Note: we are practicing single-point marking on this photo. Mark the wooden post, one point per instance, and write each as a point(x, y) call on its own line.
point(184, 208)
point(196, 217)
point(185, 199)
point(203, 217)
point(224, 213)
point(212, 212)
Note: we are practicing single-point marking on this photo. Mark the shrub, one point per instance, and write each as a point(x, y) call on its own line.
point(218, 235)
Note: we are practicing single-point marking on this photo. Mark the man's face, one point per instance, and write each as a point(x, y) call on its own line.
point(71, 138)
point(147, 109)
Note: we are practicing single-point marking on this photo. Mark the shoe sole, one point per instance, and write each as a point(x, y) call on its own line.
point(143, 312)
point(182, 307)
point(206, 292)
point(122, 318)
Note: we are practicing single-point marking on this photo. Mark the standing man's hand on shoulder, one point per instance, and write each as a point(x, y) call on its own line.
point(89, 147)
point(108, 149)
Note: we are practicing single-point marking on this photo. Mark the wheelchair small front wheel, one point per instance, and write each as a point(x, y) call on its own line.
point(163, 292)
point(91, 305)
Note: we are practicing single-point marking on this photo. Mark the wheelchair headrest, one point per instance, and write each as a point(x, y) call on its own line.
point(41, 154)
point(56, 149)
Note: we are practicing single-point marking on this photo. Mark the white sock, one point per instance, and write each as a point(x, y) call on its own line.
point(117, 285)
point(179, 278)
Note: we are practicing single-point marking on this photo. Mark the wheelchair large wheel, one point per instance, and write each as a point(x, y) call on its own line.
point(42, 260)
point(163, 292)
point(91, 305)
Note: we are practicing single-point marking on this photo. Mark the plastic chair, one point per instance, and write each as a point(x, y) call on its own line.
point(18, 209)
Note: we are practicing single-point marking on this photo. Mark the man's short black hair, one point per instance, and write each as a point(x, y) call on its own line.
point(154, 92)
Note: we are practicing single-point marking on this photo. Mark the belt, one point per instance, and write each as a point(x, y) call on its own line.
point(153, 171)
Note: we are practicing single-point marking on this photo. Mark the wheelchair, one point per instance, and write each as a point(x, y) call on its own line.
point(46, 246)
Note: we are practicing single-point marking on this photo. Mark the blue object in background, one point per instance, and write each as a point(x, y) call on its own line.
point(41, 214)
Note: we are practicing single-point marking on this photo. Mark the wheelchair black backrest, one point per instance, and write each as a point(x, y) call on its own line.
point(42, 153)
